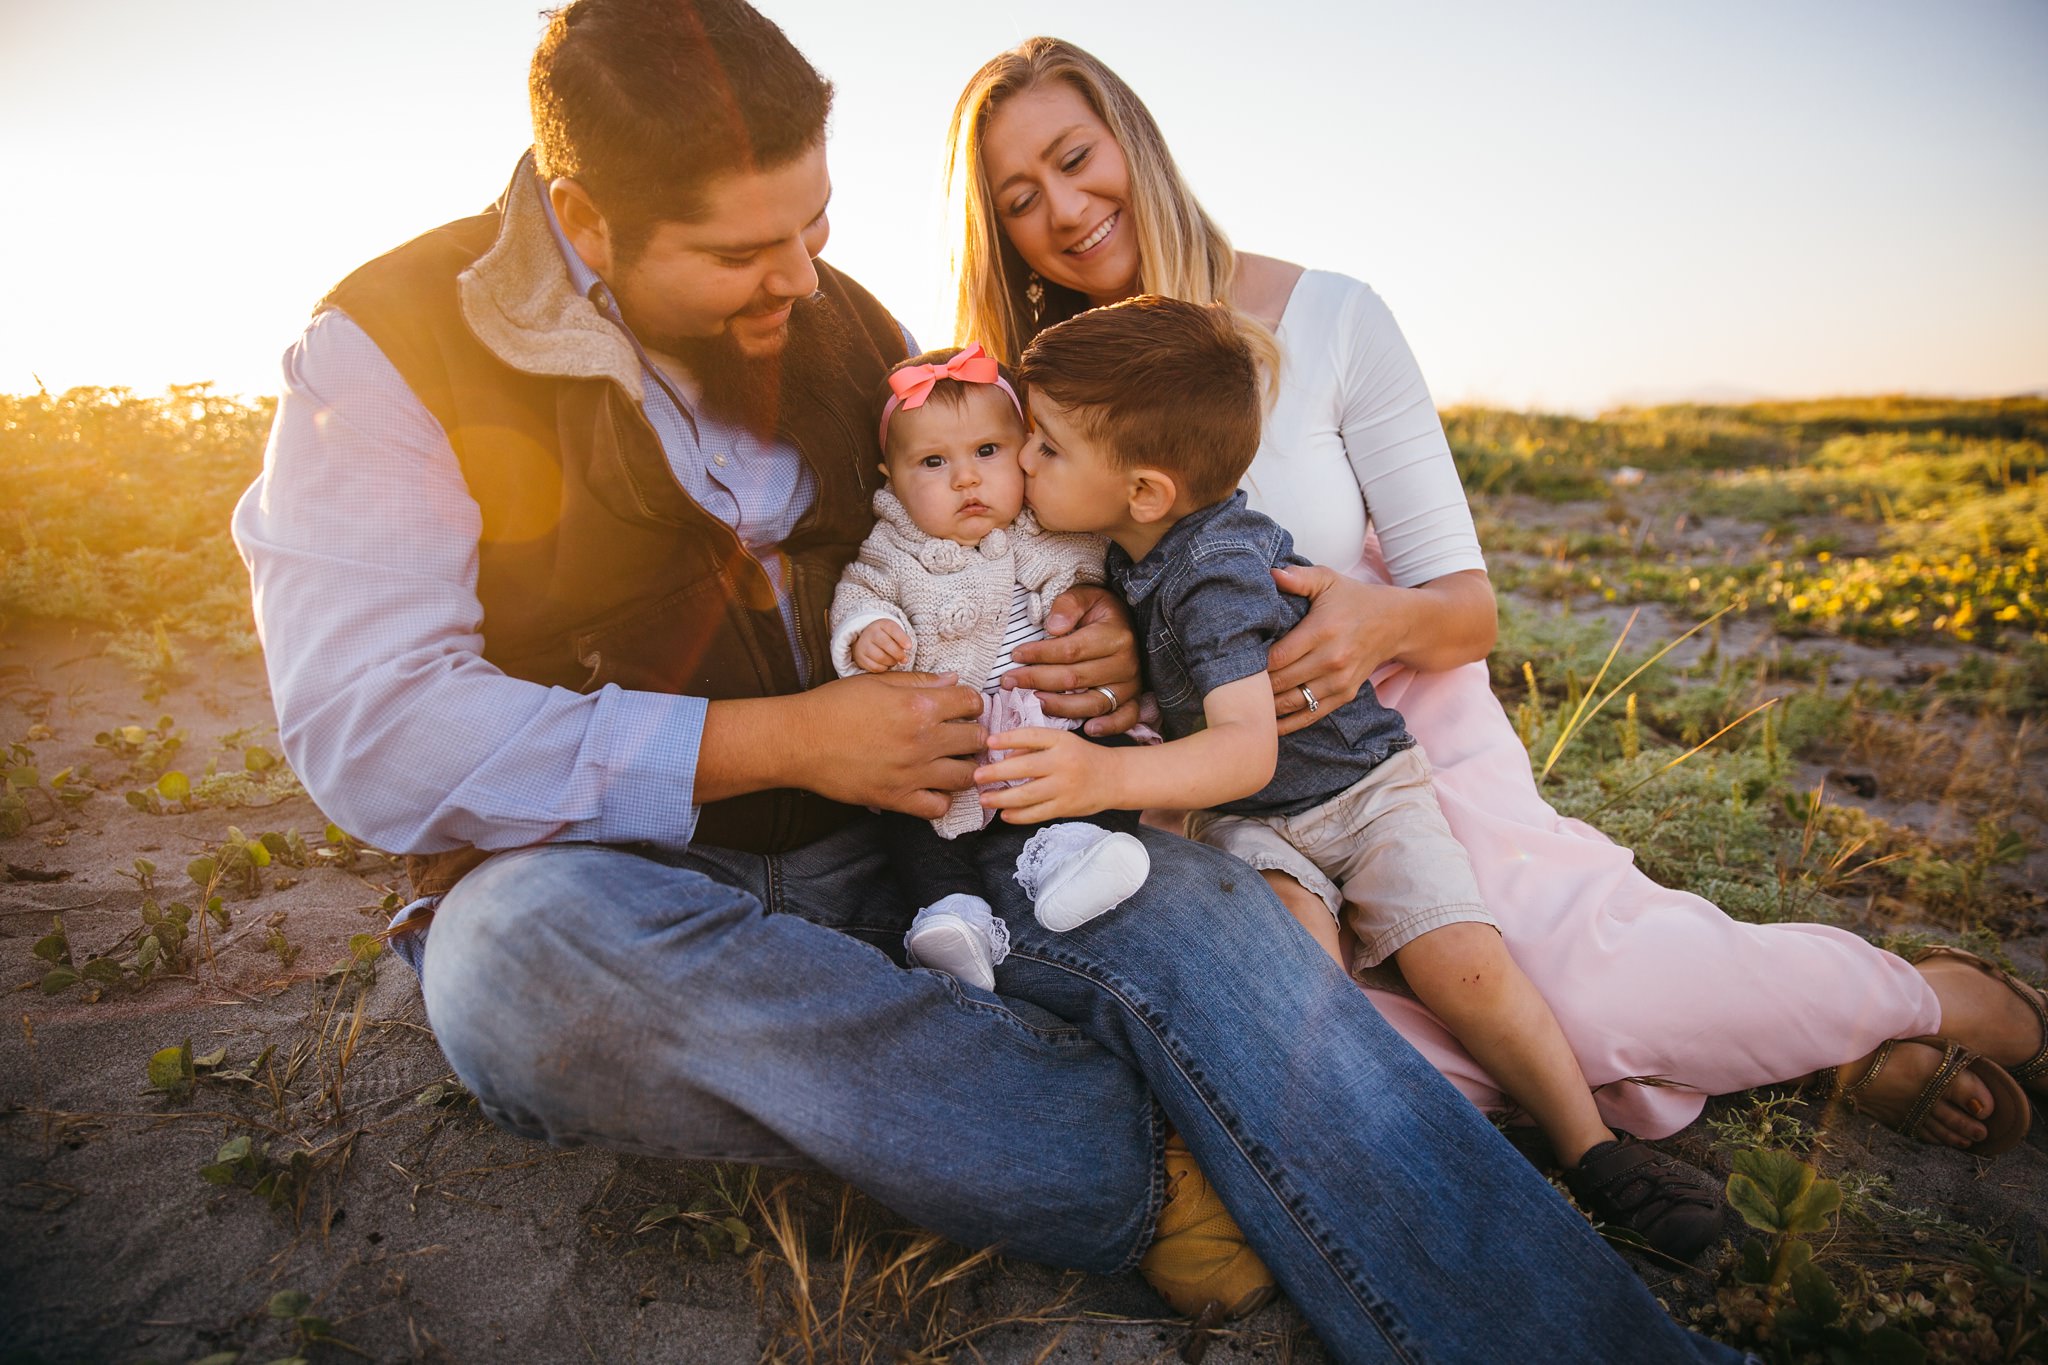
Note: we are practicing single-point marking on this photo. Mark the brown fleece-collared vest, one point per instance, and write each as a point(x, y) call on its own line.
point(595, 566)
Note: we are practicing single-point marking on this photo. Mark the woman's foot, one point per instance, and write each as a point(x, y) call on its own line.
point(1938, 1091)
point(1989, 1011)
point(1958, 1116)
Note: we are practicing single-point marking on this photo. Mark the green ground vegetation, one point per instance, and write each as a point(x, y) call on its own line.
point(1876, 519)
point(1748, 766)
point(117, 513)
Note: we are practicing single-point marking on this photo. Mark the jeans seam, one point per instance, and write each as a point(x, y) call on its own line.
point(1155, 1199)
point(1171, 1050)
point(1068, 1036)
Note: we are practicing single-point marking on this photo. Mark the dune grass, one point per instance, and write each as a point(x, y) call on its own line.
point(1752, 766)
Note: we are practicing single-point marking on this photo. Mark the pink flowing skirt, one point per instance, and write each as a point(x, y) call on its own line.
point(1646, 981)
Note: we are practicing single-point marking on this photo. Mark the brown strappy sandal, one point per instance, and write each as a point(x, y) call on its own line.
point(2011, 1115)
point(2033, 1072)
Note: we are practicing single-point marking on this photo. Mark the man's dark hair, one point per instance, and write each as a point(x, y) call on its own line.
point(1158, 382)
point(645, 102)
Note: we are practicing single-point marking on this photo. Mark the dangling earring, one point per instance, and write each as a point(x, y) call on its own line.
point(1034, 294)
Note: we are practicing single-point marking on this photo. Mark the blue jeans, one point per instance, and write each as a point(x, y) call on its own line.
point(737, 1007)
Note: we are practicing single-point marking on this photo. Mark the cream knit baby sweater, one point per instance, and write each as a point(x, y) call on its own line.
point(954, 599)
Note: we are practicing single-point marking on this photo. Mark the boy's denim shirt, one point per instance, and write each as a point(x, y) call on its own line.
point(1205, 606)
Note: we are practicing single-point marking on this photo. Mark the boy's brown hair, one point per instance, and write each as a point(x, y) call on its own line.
point(1160, 383)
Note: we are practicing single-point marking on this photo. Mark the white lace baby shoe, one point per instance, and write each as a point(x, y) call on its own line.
point(959, 935)
point(1075, 871)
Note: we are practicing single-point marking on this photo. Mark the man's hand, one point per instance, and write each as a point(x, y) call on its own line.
point(1062, 774)
point(1089, 646)
point(881, 646)
point(900, 741)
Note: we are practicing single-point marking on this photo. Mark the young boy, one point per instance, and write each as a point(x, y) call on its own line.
point(1146, 415)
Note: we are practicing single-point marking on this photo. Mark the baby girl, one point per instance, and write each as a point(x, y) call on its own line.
point(955, 575)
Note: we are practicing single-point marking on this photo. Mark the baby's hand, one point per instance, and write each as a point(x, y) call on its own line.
point(881, 646)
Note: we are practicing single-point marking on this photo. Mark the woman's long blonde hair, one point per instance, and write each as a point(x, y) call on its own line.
point(1181, 252)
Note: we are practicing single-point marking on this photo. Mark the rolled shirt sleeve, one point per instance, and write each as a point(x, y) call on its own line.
point(361, 541)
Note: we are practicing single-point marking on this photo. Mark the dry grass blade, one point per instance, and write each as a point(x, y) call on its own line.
point(1571, 726)
point(1582, 716)
point(1632, 790)
point(785, 1232)
point(887, 1292)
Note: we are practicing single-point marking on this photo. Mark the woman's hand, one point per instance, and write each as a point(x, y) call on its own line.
point(1353, 627)
point(1089, 646)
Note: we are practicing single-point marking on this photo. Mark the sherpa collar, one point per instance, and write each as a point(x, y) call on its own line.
point(520, 302)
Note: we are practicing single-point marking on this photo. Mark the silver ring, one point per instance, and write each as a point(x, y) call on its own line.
point(1309, 697)
point(1114, 702)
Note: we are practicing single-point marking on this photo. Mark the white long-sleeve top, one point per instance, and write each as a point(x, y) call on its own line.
point(1353, 435)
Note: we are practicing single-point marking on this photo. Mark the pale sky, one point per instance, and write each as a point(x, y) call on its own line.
point(1566, 205)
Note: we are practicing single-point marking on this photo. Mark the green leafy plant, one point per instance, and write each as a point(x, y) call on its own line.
point(159, 944)
point(55, 949)
point(145, 752)
point(21, 779)
point(293, 1307)
point(716, 1234)
point(242, 1161)
point(340, 850)
point(171, 1070)
point(1801, 1310)
point(116, 505)
point(237, 863)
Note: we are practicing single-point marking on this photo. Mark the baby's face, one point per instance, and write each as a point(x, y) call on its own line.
point(953, 466)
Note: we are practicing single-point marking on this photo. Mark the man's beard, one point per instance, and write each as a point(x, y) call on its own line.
point(743, 389)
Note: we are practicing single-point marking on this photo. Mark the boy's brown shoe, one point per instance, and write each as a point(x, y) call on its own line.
point(1199, 1257)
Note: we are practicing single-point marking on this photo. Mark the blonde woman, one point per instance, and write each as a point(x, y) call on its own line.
point(1073, 200)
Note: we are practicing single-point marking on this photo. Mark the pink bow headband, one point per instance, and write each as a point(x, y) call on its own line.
point(912, 384)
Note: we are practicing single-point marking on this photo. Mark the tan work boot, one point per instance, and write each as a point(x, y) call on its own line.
point(1199, 1257)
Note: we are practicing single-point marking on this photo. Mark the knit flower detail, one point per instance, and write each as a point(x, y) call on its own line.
point(956, 618)
point(943, 556)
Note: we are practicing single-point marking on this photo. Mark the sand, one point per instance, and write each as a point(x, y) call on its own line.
point(413, 1228)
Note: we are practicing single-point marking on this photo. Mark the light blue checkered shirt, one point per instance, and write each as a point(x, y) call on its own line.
point(361, 540)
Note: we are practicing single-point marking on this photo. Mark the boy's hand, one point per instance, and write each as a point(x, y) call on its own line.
point(881, 646)
point(1062, 774)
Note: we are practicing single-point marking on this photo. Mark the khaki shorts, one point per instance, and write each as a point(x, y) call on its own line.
point(1379, 854)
